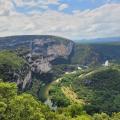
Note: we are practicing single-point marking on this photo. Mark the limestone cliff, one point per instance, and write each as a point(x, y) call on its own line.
point(23, 78)
point(39, 51)
point(43, 52)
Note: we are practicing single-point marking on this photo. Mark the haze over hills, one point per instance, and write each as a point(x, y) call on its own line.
point(99, 40)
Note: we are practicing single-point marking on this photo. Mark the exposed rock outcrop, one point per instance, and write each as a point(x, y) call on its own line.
point(23, 77)
point(43, 52)
point(27, 80)
point(39, 51)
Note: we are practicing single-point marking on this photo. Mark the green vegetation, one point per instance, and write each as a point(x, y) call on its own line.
point(93, 54)
point(34, 88)
point(88, 94)
point(97, 89)
point(40, 83)
point(14, 106)
point(11, 65)
point(59, 70)
point(11, 59)
point(81, 54)
point(58, 98)
point(57, 90)
point(18, 107)
point(100, 90)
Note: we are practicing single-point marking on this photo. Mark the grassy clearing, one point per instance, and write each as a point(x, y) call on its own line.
point(71, 95)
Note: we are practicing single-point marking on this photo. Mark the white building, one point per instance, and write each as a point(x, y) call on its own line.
point(79, 68)
point(106, 63)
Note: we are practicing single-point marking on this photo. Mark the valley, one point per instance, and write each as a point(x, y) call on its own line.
point(62, 79)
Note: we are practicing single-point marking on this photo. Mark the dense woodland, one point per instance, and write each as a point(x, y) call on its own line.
point(16, 106)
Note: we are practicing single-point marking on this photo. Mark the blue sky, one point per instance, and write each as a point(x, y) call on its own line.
point(72, 5)
point(75, 19)
point(88, 4)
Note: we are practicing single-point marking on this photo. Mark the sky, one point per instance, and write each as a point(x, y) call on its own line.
point(73, 19)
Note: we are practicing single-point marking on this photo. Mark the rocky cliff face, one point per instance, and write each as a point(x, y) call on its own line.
point(43, 52)
point(23, 78)
point(39, 51)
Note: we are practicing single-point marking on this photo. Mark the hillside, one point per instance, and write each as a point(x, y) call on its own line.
point(14, 69)
point(97, 89)
point(10, 58)
point(94, 54)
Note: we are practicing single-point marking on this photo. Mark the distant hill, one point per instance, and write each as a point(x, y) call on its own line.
point(99, 40)
point(93, 54)
point(12, 42)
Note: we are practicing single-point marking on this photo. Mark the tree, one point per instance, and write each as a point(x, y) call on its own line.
point(18, 107)
point(7, 91)
point(115, 116)
point(3, 108)
point(102, 116)
point(83, 117)
point(75, 110)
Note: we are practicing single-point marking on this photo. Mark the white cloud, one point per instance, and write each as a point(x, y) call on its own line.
point(63, 6)
point(100, 22)
point(35, 3)
point(6, 7)
point(53, 2)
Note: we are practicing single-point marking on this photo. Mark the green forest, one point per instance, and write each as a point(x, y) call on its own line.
point(14, 106)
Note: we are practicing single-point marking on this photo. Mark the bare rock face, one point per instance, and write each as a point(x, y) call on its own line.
point(44, 51)
point(39, 51)
point(27, 80)
point(23, 77)
point(40, 65)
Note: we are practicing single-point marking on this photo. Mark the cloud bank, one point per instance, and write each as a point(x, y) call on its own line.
point(96, 23)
